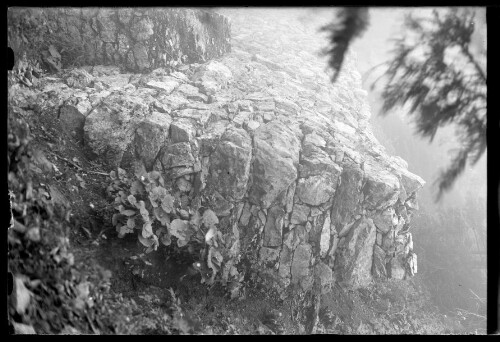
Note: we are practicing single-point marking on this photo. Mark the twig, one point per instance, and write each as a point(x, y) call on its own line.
point(77, 166)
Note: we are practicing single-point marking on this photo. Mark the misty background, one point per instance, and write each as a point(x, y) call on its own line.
point(449, 235)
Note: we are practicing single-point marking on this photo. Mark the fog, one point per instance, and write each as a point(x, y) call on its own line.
point(467, 199)
point(450, 234)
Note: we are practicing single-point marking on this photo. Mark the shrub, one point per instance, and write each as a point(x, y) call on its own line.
point(147, 205)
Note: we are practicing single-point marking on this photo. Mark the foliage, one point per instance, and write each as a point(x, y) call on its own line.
point(56, 292)
point(350, 23)
point(146, 205)
point(434, 71)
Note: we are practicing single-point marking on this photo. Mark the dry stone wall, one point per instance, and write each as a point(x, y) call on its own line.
point(304, 193)
point(136, 39)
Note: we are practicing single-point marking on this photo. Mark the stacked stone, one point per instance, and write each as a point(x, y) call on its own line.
point(285, 159)
point(136, 39)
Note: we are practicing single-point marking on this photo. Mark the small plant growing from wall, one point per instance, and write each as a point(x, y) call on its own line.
point(146, 205)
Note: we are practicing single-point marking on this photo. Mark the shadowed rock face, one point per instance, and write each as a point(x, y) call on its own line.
point(286, 160)
point(135, 39)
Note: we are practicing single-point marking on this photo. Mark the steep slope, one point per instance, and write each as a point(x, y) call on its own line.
point(301, 188)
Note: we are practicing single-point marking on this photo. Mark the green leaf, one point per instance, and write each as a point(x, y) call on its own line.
point(195, 220)
point(147, 230)
point(182, 242)
point(137, 188)
point(165, 239)
point(234, 271)
point(128, 212)
point(210, 234)
point(218, 257)
point(161, 215)
point(211, 259)
point(131, 223)
point(153, 176)
point(132, 200)
point(112, 175)
point(141, 205)
point(209, 218)
point(145, 242)
point(121, 173)
point(121, 208)
point(115, 218)
point(167, 203)
point(144, 214)
point(180, 229)
point(123, 231)
point(157, 193)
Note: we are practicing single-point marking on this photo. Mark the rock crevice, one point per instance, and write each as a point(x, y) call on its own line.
point(285, 159)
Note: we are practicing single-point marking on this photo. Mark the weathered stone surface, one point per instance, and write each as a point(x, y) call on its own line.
point(299, 214)
point(72, 116)
point(382, 187)
point(316, 190)
point(276, 150)
point(107, 35)
point(388, 242)
point(354, 260)
point(245, 215)
point(384, 220)
point(289, 197)
point(347, 197)
point(316, 162)
point(300, 267)
point(325, 276)
point(150, 136)
point(412, 264)
point(324, 243)
point(220, 205)
point(182, 131)
point(314, 139)
point(176, 155)
point(378, 269)
point(269, 256)
point(109, 128)
point(249, 140)
point(273, 227)
point(230, 164)
point(212, 77)
point(286, 255)
point(410, 181)
point(397, 268)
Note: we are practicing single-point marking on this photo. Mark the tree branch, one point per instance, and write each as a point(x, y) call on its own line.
point(471, 58)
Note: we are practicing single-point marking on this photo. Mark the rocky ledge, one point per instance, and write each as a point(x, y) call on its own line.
point(286, 160)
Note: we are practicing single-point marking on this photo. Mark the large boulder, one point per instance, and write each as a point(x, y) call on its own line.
point(230, 164)
point(110, 127)
point(347, 199)
point(355, 257)
point(276, 151)
point(382, 187)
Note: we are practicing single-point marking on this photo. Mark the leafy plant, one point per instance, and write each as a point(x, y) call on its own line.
point(149, 206)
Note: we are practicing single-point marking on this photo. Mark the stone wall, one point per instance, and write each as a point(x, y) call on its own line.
point(303, 191)
point(136, 39)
